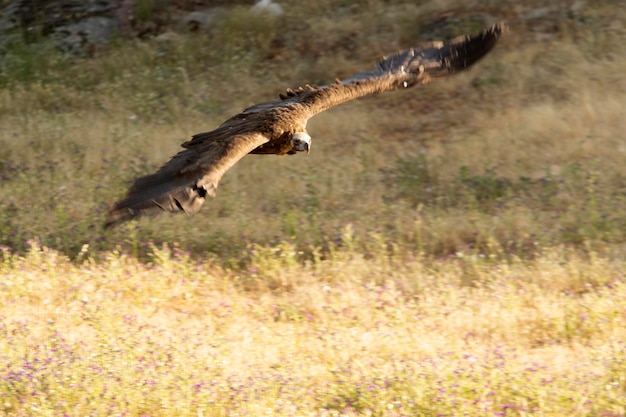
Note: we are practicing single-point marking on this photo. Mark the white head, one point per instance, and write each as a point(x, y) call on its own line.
point(301, 141)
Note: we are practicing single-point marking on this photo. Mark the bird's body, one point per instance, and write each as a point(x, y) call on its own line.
point(279, 127)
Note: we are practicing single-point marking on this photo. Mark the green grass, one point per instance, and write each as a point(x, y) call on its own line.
point(455, 249)
point(528, 143)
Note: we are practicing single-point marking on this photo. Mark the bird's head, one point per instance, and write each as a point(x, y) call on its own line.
point(301, 141)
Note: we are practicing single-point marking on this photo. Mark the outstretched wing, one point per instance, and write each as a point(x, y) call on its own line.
point(403, 69)
point(182, 184)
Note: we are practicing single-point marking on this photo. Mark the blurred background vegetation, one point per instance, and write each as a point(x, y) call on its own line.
point(524, 151)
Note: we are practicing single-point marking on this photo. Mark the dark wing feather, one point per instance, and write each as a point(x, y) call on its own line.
point(435, 59)
point(403, 69)
point(182, 184)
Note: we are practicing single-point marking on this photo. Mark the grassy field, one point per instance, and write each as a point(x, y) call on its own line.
point(456, 249)
point(344, 337)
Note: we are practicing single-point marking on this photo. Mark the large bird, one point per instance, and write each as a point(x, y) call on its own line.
point(279, 127)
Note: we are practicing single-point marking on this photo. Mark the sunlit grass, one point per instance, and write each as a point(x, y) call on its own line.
point(345, 336)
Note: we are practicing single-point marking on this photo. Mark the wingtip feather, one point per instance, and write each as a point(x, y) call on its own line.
point(467, 50)
point(155, 194)
point(116, 216)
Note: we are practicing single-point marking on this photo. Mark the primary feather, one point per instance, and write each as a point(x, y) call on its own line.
point(277, 127)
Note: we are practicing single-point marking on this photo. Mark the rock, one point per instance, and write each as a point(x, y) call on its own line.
point(83, 37)
point(74, 25)
point(266, 6)
point(79, 27)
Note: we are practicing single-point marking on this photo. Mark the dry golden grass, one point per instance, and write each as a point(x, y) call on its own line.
point(345, 336)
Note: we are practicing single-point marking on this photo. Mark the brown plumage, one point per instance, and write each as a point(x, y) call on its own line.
point(279, 127)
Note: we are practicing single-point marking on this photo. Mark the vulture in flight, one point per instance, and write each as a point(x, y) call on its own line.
point(279, 127)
